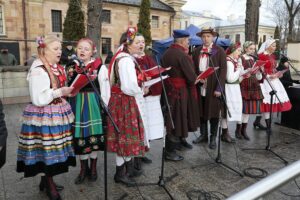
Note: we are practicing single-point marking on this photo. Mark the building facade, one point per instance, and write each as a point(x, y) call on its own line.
point(234, 29)
point(21, 21)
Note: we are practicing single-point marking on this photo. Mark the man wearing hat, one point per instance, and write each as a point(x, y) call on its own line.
point(6, 58)
point(182, 95)
point(209, 92)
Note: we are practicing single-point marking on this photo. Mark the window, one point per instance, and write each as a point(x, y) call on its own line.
point(105, 16)
point(154, 22)
point(227, 36)
point(186, 24)
point(2, 30)
point(237, 38)
point(106, 45)
point(264, 38)
point(56, 21)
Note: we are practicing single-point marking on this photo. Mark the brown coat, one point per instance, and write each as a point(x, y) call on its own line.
point(212, 105)
point(183, 97)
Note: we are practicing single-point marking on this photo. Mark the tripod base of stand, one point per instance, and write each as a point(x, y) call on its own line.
point(161, 183)
point(271, 151)
point(219, 162)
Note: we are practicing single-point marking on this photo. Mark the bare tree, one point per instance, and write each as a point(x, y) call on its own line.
point(292, 8)
point(252, 20)
point(280, 17)
point(94, 11)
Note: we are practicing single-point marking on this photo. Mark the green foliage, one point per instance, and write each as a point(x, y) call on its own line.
point(74, 28)
point(144, 26)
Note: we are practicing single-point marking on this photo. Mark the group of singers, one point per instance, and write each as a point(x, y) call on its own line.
point(59, 124)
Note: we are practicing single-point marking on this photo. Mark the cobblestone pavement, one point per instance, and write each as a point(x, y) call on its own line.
point(197, 171)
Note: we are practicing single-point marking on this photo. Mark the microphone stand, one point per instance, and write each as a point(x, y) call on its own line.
point(269, 129)
point(107, 112)
point(223, 101)
point(162, 181)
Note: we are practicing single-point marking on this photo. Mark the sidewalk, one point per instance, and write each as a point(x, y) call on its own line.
point(197, 171)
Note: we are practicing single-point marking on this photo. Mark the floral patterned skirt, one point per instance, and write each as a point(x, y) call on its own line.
point(125, 112)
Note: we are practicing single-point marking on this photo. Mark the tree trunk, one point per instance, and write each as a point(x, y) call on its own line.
point(94, 10)
point(252, 20)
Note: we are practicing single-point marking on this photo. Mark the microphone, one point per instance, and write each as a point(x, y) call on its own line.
point(153, 50)
point(77, 61)
point(253, 56)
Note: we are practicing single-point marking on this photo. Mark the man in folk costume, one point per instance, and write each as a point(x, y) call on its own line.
point(209, 91)
point(182, 95)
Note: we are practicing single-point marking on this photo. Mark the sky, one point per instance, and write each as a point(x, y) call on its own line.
point(223, 8)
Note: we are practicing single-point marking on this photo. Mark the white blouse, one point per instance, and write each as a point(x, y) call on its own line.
point(39, 85)
point(232, 76)
point(128, 78)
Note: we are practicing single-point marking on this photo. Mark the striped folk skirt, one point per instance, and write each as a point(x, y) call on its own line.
point(252, 106)
point(87, 128)
point(45, 141)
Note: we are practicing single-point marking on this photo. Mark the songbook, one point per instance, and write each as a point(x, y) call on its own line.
point(209, 71)
point(80, 81)
point(282, 71)
point(154, 81)
point(257, 65)
point(154, 71)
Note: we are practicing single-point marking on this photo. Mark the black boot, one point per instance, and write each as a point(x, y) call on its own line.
point(257, 123)
point(213, 133)
point(203, 133)
point(170, 150)
point(84, 171)
point(225, 137)
point(244, 131)
point(94, 174)
point(137, 163)
point(238, 130)
point(131, 171)
point(43, 184)
point(185, 144)
point(122, 177)
point(52, 193)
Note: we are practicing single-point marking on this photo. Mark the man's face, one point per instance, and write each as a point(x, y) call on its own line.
point(207, 39)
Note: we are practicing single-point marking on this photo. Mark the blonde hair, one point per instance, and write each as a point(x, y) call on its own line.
point(42, 45)
point(46, 41)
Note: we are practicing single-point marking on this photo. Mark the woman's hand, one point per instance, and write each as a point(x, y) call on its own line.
point(66, 91)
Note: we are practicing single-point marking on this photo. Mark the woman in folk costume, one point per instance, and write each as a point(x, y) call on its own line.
point(265, 53)
point(251, 91)
point(232, 89)
point(45, 142)
point(87, 129)
point(155, 121)
point(127, 108)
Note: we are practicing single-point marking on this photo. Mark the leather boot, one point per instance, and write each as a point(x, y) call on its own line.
point(84, 171)
point(203, 134)
point(43, 184)
point(131, 171)
point(94, 175)
point(122, 177)
point(51, 189)
point(244, 131)
point(238, 130)
point(213, 133)
point(257, 124)
point(137, 163)
point(225, 137)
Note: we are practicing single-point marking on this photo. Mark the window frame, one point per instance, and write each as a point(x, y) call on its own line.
point(3, 20)
point(52, 21)
point(153, 20)
point(102, 46)
point(104, 22)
